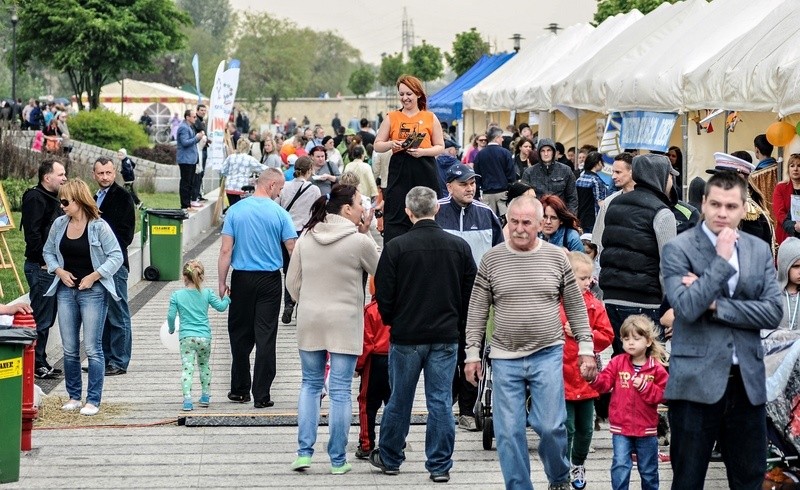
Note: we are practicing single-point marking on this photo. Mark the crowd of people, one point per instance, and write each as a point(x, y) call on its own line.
point(514, 232)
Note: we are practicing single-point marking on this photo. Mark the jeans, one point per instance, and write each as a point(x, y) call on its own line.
point(541, 374)
point(740, 427)
point(87, 307)
point(406, 362)
point(646, 449)
point(117, 338)
point(44, 307)
point(617, 314)
point(340, 380)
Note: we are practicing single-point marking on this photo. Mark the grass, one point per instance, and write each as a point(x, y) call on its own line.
point(16, 242)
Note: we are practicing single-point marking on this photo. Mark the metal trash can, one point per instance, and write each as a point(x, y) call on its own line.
point(12, 342)
point(165, 229)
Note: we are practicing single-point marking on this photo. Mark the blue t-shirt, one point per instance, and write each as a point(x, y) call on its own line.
point(258, 226)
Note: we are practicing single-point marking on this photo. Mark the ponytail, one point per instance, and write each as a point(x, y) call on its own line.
point(330, 203)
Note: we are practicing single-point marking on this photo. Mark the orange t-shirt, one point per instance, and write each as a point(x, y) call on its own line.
point(401, 126)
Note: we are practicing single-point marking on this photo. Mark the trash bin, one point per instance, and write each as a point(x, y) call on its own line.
point(12, 342)
point(165, 229)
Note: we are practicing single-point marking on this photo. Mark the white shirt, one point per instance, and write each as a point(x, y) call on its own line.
point(734, 279)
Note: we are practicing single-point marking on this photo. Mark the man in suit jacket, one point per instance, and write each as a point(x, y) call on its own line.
point(187, 157)
point(117, 209)
point(722, 286)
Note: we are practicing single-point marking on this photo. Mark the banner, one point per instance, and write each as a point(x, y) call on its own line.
point(646, 130)
point(223, 95)
point(609, 139)
point(196, 67)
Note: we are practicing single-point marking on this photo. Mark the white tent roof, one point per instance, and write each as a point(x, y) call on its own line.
point(498, 91)
point(144, 92)
point(758, 72)
point(536, 95)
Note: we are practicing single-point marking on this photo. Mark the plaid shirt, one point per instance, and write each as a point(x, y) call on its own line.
point(599, 188)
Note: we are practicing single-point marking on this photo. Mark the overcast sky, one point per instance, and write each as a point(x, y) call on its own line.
point(375, 27)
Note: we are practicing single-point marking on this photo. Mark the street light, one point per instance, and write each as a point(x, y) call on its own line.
point(172, 70)
point(516, 38)
point(554, 28)
point(14, 20)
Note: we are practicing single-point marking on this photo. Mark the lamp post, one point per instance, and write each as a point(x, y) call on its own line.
point(172, 70)
point(14, 20)
point(554, 28)
point(516, 38)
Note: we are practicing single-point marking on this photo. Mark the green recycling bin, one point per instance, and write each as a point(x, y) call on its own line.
point(165, 229)
point(12, 342)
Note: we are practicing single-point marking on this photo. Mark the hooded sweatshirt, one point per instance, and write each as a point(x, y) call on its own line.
point(788, 254)
point(325, 278)
point(552, 178)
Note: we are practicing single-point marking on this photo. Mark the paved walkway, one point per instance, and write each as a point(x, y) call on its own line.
point(146, 448)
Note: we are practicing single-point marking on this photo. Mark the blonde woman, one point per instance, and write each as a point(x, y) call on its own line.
point(237, 169)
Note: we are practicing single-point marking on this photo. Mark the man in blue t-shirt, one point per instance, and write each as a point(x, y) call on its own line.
point(251, 242)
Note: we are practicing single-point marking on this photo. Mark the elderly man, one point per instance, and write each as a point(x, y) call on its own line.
point(251, 242)
point(422, 284)
point(527, 344)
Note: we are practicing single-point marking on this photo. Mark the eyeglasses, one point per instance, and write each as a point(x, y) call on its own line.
point(550, 218)
point(64, 202)
point(481, 140)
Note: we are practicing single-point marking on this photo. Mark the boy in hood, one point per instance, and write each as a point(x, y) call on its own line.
point(552, 177)
point(789, 281)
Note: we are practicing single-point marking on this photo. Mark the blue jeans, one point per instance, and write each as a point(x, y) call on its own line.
point(646, 449)
point(87, 307)
point(117, 339)
point(44, 307)
point(541, 374)
point(340, 381)
point(406, 362)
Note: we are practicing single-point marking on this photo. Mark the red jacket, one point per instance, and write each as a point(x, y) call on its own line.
point(632, 412)
point(575, 387)
point(781, 207)
point(376, 334)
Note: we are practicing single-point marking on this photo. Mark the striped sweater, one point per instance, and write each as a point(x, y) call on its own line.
point(525, 289)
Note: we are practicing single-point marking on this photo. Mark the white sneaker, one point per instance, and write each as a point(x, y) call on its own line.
point(71, 406)
point(89, 410)
point(577, 476)
point(195, 204)
point(467, 423)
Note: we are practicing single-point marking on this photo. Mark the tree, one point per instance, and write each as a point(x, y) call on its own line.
point(276, 58)
point(95, 40)
point(392, 67)
point(425, 62)
point(213, 16)
point(468, 48)
point(334, 60)
point(610, 8)
point(361, 80)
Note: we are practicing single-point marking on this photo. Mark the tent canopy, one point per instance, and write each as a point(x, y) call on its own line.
point(447, 103)
point(136, 91)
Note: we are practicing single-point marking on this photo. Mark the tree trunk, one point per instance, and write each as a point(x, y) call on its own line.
point(273, 106)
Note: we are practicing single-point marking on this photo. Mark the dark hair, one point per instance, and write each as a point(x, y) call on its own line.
point(46, 167)
point(679, 153)
point(763, 145)
point(743, 155)
point(571, 149)
point(588, 148)
point(592, 159)
point(727, 180)
point(560, 147)
point(363, 122)
point(332, 203)
point(326, 139)
point(568, 220)
point(357, 152)
point(517, 189)
point(201, 106)
point(187, 113)
point(521, 141)
point(302, 165)
point(316, 149)
point(101, 161)
point(624, 157)
point(523, 126)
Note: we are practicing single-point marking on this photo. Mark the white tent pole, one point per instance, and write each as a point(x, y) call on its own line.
point(685, 163)
point(725, 133)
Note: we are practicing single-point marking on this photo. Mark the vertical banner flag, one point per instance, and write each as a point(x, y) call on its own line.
point(223, 96)
point(196, 66)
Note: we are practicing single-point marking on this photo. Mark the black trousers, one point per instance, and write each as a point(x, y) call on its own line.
point(186, 184)
point(740, 427)
point(465, 392)
point(253, 322)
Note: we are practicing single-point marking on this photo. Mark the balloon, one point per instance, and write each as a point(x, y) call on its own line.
point(171, 341)
point(780, 133)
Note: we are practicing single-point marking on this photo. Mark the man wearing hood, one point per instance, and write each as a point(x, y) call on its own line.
point(637, 225)
point(552, 177)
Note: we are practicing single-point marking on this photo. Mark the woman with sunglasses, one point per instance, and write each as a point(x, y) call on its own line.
point(83, 253)
point(559, 226)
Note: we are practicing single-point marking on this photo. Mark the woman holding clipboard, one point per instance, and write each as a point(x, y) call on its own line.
point(415, 137)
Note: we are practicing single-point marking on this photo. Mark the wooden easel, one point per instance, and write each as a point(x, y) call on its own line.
point(7, 262)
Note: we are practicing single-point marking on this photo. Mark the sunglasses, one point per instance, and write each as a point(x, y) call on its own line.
point(64, 202)
point(482, 140)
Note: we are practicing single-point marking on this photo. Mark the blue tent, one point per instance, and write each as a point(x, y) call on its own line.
point(447, 102)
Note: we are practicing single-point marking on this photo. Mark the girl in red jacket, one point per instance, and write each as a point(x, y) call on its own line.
point(578, 393)
point(636, 380)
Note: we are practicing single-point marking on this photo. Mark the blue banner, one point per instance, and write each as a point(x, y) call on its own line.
point(644, 130)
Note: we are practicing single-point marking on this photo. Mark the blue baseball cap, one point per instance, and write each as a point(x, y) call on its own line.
point(460, 172)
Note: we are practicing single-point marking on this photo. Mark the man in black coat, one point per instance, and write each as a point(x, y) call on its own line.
point(117, 209)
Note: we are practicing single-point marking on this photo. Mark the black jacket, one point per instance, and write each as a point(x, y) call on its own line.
point(117, 210)
point(423, 284)
point(496, 168)
point(39, 209)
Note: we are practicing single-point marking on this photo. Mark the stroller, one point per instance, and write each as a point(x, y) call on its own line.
point(782, 361)
point(483, 405)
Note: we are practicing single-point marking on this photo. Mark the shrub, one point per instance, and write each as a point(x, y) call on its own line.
point(107, 129)
point(18, 162)
point(14, 189)
point(161, 153)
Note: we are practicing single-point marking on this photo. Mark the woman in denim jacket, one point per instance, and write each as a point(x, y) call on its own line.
point(83, 253)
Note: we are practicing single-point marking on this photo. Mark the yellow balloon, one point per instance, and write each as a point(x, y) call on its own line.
point(780, 133)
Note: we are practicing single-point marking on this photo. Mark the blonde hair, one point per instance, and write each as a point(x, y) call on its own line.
point(579, 258)
point(643, 326)
point(194, 272)
point(77, 191)
point(349, 178)
point(243, 146)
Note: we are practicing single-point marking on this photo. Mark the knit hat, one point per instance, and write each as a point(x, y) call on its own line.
point(788, 254)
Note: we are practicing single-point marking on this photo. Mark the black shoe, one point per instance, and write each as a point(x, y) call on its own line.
point(43, 372)
point(201, 199)
point(266, 404)
point(114, 371)
point(376, 461)
point(440, 477)
point(238, 398)
point(54, 370)
point(362, 453)
point(286, 318)
point(85, 369)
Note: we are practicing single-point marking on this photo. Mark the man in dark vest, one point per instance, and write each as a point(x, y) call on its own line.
point(637, 225)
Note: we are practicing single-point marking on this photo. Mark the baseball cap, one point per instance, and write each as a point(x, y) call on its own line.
point(460, 172)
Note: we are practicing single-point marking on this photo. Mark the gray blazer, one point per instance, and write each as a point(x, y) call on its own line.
point(703, 341)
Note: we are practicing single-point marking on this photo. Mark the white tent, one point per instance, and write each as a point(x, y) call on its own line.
point(134, 97)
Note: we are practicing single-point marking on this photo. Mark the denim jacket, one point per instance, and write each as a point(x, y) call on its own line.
point(103, 248)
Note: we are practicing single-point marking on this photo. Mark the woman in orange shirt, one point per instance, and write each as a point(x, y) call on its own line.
point(409, 166)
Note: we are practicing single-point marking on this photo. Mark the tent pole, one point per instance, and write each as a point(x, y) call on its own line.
point(685, 145)
point(577, 134)
point(725, 133)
